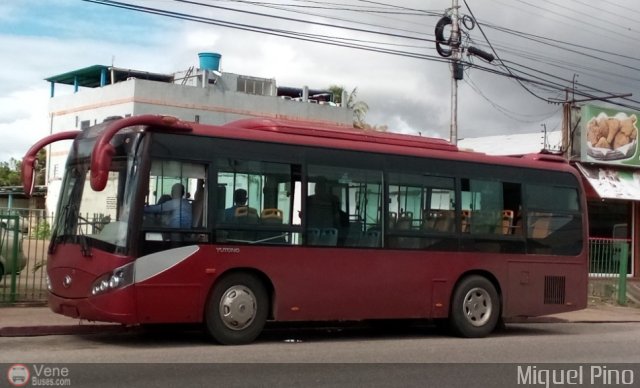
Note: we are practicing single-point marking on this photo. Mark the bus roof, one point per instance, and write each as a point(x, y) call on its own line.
point(343, 137)
point(314, 129)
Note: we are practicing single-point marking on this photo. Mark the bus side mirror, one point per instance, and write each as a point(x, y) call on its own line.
point(100, 162)
point(30, 159)
point(29, 164)
point(103, 151)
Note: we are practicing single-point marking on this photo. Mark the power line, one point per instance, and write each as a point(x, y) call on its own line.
point(432, 13)
point(588, 15)
point(600, 28)
point(295, 20)
point(508, 113)
point(604, 11)
point(265, 30)
point(569, 66)
point(620, 6)
point(337, 41)
point(577, 23)
point(557, 44)
point(330, 6)
point(283, 7)
point(498, 57)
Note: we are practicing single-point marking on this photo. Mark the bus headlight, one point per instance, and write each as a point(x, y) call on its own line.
point(47, 280)
point(118, 278)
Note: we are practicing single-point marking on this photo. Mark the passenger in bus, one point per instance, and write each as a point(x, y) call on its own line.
point(177, 210)
point(323, 208)
point(164, 198)
point(239, 202)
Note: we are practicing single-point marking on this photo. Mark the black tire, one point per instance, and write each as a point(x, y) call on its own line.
point(1, 271)
point(475, 308)
point(442, 325)
point(237, 309)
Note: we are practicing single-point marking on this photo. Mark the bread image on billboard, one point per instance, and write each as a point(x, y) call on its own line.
point(612, 138)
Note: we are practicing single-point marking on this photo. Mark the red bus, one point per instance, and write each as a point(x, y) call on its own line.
point(269, 220)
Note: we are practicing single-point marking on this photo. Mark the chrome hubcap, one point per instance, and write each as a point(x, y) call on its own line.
point(237, 307)
point(477, 306)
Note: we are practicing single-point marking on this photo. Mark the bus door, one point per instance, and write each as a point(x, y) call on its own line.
point(175, 205)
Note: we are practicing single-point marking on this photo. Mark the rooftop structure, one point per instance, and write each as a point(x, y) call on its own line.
point(202, 94)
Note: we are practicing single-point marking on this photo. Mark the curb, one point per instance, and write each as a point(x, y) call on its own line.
point(35, 331)
point(538, 320)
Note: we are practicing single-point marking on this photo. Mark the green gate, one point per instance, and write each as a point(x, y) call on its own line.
point(23, 254)
point(609, 265)
point(11, 259)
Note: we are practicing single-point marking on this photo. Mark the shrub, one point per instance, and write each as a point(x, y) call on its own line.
point(43, 230)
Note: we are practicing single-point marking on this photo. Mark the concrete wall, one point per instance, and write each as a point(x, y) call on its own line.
point(220, 103)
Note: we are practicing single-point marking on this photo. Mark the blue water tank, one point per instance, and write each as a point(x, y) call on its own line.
point(209, 61)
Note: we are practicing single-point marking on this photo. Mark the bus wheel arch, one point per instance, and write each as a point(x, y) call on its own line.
point(475, 308)
point(238, 306)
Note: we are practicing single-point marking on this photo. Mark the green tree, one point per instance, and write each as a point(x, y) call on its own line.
point(360, 108)
point(10, 171)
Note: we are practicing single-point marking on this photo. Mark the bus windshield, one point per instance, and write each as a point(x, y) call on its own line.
point(97, 218)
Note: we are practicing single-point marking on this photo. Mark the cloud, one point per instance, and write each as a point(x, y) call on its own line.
point(24, 94)
point(406, 94)
point(24, 121)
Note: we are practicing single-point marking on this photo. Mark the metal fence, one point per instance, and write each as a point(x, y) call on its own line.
point(24, 241)
point(24, 237)
point(609, 266)
point(25, 233)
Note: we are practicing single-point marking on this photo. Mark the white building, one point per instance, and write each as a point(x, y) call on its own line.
point(514, 144)
point(202, 94)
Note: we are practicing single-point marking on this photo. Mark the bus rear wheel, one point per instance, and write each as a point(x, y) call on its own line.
point(237, 309)
point(475, 308)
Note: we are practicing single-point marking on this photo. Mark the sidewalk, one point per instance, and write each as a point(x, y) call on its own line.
point(37, 321)
point(594, 313)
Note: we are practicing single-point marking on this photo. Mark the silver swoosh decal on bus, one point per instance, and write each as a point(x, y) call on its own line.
point(151, 265)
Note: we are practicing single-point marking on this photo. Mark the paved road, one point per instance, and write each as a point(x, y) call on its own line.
point(322, 357)
point(520, 343)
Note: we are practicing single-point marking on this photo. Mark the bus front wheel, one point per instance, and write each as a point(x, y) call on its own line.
point(237, 309)
point(475, 307)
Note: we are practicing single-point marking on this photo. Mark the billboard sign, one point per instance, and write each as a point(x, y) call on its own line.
point(609, 136)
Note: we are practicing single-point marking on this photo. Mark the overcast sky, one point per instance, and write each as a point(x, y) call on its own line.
point(593, 43)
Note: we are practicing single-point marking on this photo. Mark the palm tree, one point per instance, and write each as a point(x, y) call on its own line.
point(359, 108)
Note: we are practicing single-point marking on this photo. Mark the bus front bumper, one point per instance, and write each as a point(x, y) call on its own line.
point(116, 307)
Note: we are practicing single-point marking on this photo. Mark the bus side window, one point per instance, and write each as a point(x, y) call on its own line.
point(539, 224)
point(170, 202)
point(256, 202)
point(426, 209)
point(344, 204)
point(554, 220)
point(487, 207)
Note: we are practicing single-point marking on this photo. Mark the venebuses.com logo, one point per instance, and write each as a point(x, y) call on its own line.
point(18, 375)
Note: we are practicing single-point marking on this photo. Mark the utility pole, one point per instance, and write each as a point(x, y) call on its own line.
point(456, 71)
point(566, 125)
point(567, 108)
point(451, 47)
